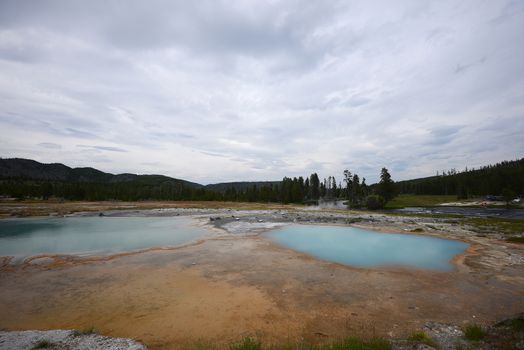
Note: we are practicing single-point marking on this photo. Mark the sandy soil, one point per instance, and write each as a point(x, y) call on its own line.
point(235, 284)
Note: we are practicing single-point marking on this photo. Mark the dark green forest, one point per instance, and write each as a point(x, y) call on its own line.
point(22, 178)
point(487, 180)
point(289, 190)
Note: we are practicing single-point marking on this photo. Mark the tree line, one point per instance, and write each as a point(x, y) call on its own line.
point(488, 180)
point(505, 179)
point(308, 190)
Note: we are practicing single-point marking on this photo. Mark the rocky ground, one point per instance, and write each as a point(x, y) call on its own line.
point(64, 340)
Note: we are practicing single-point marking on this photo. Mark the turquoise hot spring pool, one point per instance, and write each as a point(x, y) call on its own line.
point(363, 248)
point(93, 235)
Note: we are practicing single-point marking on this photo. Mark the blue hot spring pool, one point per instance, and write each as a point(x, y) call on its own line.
point(105, 235)
point(363, 248)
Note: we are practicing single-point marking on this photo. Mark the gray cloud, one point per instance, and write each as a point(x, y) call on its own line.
point(443, 134)
point(103, 148)
point(462, 68)
point(49, 145)
point(216, 90)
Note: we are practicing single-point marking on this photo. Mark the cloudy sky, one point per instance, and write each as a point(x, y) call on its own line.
point(213, 91)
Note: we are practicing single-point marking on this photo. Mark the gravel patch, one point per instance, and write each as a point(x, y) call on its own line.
point(250, 228)
point(64, 340)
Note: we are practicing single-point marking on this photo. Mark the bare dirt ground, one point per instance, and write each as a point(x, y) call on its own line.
point(238, 284)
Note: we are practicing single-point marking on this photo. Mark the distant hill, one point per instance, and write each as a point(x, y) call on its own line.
point(25, 178)
point(27, 169)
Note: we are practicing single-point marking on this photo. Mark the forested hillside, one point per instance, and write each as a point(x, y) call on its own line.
point(488, 180)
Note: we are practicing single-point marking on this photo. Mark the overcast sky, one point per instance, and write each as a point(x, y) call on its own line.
point(213, 91)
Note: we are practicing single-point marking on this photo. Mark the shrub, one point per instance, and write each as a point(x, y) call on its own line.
point(421, 337)
point(375, 202)
point(474, 332)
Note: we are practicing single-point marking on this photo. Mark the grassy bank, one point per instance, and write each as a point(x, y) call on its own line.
point(25, 208)
point(410, 200)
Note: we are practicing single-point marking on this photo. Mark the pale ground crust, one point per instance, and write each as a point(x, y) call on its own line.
point(235, 284)
point(64, 340)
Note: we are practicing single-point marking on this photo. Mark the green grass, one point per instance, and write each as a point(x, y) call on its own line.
point(474, 332)
point(42, 344)
point(421, 337)
point(424, 215)
point(353, 343)
point(356, 344)
point(247, 344)
point(410, 200)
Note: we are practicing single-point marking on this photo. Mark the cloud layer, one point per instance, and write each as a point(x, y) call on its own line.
point(215, 91)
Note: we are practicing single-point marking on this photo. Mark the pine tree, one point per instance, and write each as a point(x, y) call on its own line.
point(386, 186)
point(314, 183)
point(348, 179)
